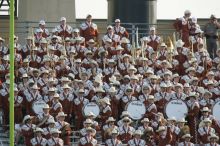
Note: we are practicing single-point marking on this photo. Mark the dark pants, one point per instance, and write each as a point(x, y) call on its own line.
point(211, 47)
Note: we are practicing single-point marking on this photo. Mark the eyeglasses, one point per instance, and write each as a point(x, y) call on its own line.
point(126, 121)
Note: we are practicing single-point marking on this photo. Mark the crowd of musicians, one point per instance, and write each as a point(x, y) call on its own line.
point(68, 68)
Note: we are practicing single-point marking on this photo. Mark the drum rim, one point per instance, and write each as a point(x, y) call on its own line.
point(214, 106)
point(86, 105)
point(165, 107)
point(126, 107)
point(36, 102)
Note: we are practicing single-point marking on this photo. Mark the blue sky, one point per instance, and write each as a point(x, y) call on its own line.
point(199, 8)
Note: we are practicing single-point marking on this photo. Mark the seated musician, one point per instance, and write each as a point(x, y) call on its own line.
point(89, 139)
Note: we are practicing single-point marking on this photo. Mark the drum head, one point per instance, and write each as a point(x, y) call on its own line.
point(91, 107)
point(216, 110)
point(136, 109)
point(176, 108)
point(37, 106)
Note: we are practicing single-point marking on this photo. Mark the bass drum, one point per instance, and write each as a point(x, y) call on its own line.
point(37, 107)
point(136, 109)
point(216, 110)
point(176, 108)
point(91, 107)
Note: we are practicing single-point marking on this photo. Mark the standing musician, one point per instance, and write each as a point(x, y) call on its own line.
point(63, 29)
point(119, 30)
point(154, 39)
point(89, 30)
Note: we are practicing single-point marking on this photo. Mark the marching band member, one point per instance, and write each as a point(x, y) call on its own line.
point(55, 140)
point(79, 103)
point(64, 30)
point(38, 140)
point(186, 141)
point(126, 131)
point(44, 117)
point(154, 39)
point(41, 25)
point(47, 130)
point(213, 140)
point(193, 113)
point(106, 110)
point(184, 129)
point(89, 30)
point(205, 130)
point(119, 30)
point(164, 136)
point(27, 129)
point(66, 98)
point(108, 128)
point(137, 141)
point(56, 106)
point(88, 139)
point(86, 124)
point(113, 141)
point(64, 127)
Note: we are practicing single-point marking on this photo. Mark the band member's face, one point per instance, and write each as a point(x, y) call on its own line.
point(75, 34)
point(89, 19)
point(51, 93)
point(179, 89)
point(67, 43)
point(54, 40)
point(61, 118)
point(38, 134)
point(63, 22)
point(88, 124)
point(187, 139)
point(46, 110)
point(176, 79)
point(151, 100)
point(205, 113)
point(89, 133)
point(146, 90)
point(152, 32)
point(43, 45)
point(117, 24)
point(146, 123)
point(25, 80)
point(1, 43)
point(137, 136)
point(55, 135)
point(213, 140)
point(51, 125)
point(45, 75)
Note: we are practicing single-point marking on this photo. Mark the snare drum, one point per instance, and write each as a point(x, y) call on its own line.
point(91, 107)
point(136, 109)
point(216, 110)
point(176, 108)
point(37, 107)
